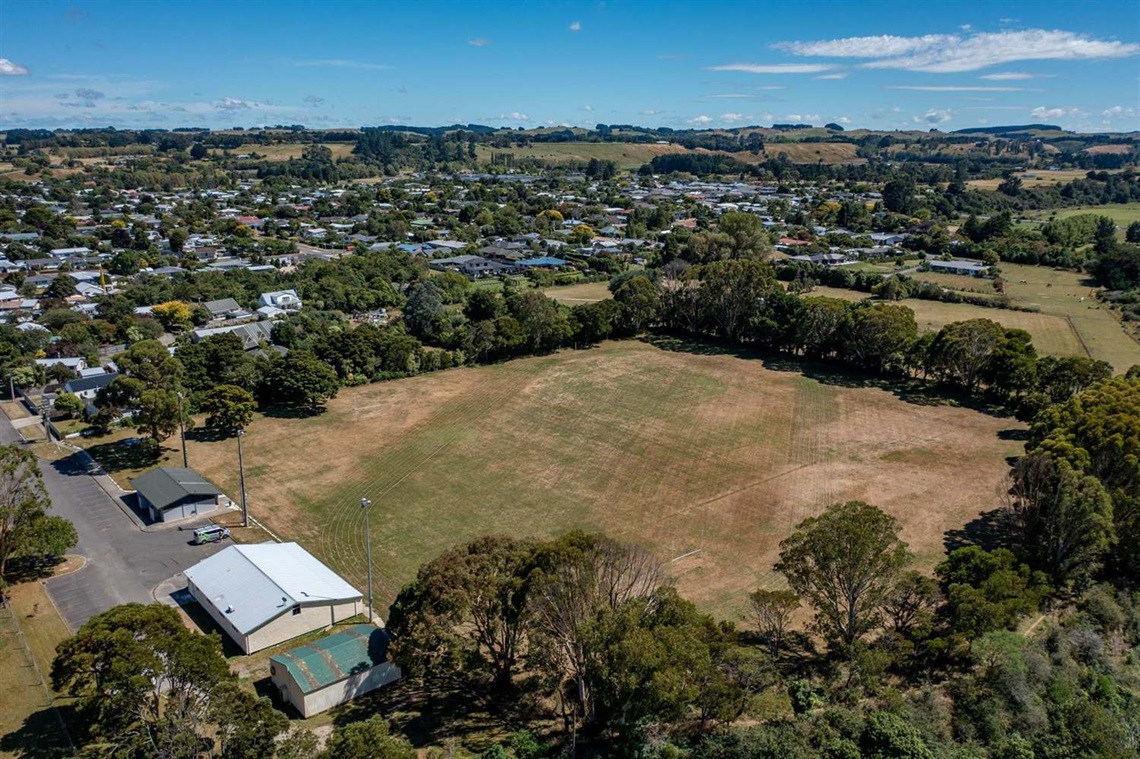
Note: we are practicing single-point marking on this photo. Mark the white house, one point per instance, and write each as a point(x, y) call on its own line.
point(286, 300)
point(264, 594)
point(332, 671)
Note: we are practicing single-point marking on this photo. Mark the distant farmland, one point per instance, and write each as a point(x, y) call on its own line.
point(629, 155)
point(708, 460)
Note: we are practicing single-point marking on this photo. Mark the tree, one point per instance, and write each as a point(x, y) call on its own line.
point(961, 351)
point(578, 576)
point(68, 404)
point(370, 739)
point(898, 195)
point(158, 413)
point(987, 590)
point(26, 532)
point(1098, 433)
point(844, 563)
point(771, 612)
point(61, 287)
point(424, 314)
point(1132, 234)
point(749, 238)
point(299, 379)
point(150, 362)
point(174, 315)
point(1061, 521)
point(483, 304)
point(878, 335)
point(639, 303)
point(137, 671)
point(229, 407)
point(466, 609)
point(732, 294)
point(911, 603)
point(177, 239)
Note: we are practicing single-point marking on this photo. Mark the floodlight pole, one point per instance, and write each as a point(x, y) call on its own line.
point(182, 432)
point(241, 477)
point(366, 504)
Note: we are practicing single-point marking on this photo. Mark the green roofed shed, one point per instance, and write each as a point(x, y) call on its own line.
point(320, 675)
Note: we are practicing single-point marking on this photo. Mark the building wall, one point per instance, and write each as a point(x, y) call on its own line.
point(332, 695)
point(290, 625)
point(218, 616)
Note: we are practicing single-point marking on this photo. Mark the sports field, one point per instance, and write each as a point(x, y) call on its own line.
point(707, 459)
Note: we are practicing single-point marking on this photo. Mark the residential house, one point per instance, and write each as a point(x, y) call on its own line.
point(225, 308)
point(287, 300)
point(965, 268)
point(265, 594)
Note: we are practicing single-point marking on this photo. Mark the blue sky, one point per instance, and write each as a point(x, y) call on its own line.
point(881, 65)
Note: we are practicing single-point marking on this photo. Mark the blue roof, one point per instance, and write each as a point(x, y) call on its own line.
point(543, 261)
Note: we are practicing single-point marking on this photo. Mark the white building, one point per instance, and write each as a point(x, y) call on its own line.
point(262, 595)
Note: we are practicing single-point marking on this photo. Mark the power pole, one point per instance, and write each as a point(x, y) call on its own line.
point(241, 477)
point(182, 432)
point(366, 505)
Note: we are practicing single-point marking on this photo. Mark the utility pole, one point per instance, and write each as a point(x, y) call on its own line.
point(366, 505)
point(182, 432)
point(241, 477)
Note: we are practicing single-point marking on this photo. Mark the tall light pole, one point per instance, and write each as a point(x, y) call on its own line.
point(241, 477)
point(366, 505)
point(182, 432)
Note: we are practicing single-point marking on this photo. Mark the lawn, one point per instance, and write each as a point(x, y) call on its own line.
point(1070, 320)
point(29, 725)
point(573, 295)
point(1121, 213)
point(707, 459)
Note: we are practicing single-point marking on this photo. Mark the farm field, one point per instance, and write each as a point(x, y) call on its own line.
point(631, 155)
point(287, 150)
point(1035, 178)
point(1121, 213)
point(707, 459)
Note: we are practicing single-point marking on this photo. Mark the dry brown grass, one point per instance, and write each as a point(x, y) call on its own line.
point(573, 295)
point(678, 451)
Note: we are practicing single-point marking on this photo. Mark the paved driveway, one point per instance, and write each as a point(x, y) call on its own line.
point(124, 563)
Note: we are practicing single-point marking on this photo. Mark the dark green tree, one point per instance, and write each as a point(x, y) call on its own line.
point(229, 408)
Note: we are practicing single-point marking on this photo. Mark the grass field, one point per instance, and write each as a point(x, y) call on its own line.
point(679, 451)
point(573, 295)
point(28, 724)
point(1121, 213)
point(1070, 320)
point(1035, 178)
point(285, 151)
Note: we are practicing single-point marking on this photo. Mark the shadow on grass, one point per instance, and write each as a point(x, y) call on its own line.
point(908, 390)
point(293, 412)
point(987, 531)
point(40, 736)
point(24, 569)
point(124, 455)
point(432, 715)
point(209, 435)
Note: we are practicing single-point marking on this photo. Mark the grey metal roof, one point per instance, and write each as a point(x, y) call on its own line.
point(166, 486)
point(222, 306)
point(253, 584)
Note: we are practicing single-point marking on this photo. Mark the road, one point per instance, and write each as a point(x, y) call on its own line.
point(124, 563)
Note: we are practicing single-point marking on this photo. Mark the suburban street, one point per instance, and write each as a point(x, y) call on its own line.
point(124, 563)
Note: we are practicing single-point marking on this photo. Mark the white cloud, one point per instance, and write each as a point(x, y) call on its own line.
point(587, 108)
point(934, 116)
point(742, 95)
point(843, 120)
point(479, 42)
point(1118, 112)
point(805, 117)
point(774, 68)
point(85, 93)
point(576, 26)
point(701, 120)
point(342, 63)
point(514, 116)
point(732, 118)
point(7, 68)
point(838, 75)
point(949, 53)
point(937, 88)
point(1041, 112)
point(651, 112)
point(313, 100)
point(1007, 76)
point(235, 104)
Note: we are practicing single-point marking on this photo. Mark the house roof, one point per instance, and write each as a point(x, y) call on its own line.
point(253, 584)
point(543, 261)
point(329, 660)
point(95, 382)
point(166, 486)
point(225, 305)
